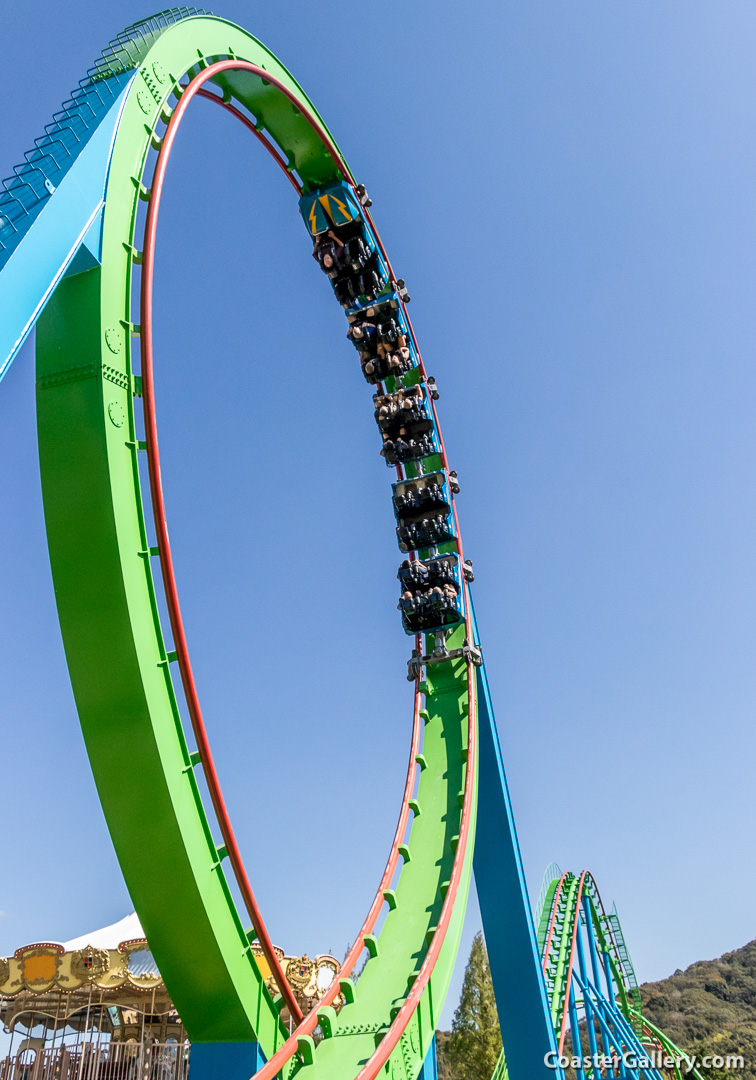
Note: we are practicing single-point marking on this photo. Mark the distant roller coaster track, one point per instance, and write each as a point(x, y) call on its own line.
point(78, 229)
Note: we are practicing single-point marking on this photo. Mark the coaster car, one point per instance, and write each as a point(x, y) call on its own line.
point(431, 597)
point(345, 247)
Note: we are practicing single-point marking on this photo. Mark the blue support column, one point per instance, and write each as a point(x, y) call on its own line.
point(577, 1047)
point(595, 966)
point(587, 1002)
point(224, 1061)
point(429, 1070)
point(68, 218)
point(521, 1000)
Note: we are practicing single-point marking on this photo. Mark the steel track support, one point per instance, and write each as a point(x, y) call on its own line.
point(225, 1060)
point(521, 1001)
point(429, 1070)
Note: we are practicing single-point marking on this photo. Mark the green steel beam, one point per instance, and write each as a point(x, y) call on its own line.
point(117, 654)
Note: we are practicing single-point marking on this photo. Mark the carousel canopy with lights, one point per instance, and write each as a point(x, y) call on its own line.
point(57, 982)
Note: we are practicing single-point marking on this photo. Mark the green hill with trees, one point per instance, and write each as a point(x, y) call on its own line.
point(710, 1008)
point(707, 1010)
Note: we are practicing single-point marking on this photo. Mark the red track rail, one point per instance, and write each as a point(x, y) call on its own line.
point(166, 557)
point(306, 1025)
point(568, 983)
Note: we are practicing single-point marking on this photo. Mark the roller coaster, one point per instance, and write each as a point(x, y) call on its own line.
point(78, 233)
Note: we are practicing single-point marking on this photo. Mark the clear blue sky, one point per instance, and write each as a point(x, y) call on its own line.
point(568, 187)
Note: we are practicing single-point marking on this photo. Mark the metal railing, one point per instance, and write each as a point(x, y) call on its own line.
point(111, 1061)
point(627, 968)
point(552, 871)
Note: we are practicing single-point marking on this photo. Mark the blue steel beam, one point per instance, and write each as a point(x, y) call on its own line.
point(521, 1000)
point(48, 247)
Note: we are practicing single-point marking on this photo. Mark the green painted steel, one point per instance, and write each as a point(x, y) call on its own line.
point(670, 1049)
point(556, 974)
point(117, 654)
point(419, 893)
point(545, 917)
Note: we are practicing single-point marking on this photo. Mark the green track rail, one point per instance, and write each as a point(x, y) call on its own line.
point(120, 660)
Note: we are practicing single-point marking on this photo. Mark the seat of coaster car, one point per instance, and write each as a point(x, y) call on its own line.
point(415, 501)
point(409, 449)
point(423, 574)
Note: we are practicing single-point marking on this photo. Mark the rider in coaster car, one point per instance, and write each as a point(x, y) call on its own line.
point(385, 408)
point(377, 339)
point(365, 336)
point(395, 450)
point(390, 407)
point(332, 255)
point(407, 601)
point(376, 368)
point(435, 596)
point(398, 449)
point(414, 576)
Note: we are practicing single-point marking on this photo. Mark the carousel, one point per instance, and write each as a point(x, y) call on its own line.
point(96, 1008)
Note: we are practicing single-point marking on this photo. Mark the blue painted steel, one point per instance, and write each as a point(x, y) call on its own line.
point(617, 1033)
point(25, 194)
point(33, 184)
point(51, 202)
point(526, 1028)
point(429, 1070)
point(332, 206)
point(591, 1028)
point(575, 1029)
point(43, 254)
point(225, 1061)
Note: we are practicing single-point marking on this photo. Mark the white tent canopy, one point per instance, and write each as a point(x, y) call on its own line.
point(109, 937)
